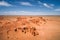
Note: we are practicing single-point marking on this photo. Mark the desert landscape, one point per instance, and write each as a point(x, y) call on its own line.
point(29, 27)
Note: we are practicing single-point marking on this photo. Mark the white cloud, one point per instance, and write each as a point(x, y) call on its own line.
point(57, 9)
point(20, 13)
point(27, 13)
point(46, 4)
point(3, 3)
point(26, 3)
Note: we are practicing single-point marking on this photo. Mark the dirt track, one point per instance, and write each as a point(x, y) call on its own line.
point(29, 27)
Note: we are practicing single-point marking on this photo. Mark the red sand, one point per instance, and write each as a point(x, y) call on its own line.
point(29, 28)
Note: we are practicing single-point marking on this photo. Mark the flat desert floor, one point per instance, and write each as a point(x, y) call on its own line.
point(29, 27)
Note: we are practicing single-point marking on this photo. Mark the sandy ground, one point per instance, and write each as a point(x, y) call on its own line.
point(29, 27)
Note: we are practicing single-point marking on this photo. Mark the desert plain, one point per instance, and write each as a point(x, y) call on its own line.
point(29, 27)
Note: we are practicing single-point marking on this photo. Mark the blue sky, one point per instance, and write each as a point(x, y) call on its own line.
point(29, 7)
